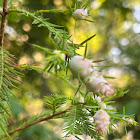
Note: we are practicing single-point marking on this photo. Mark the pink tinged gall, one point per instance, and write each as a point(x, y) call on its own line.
point(102, 120)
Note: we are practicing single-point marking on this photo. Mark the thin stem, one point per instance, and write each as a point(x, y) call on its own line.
point(78, 88)
point(38, 121)
point(3, 22)
point(73, 86)
point(85, 53)
point(2, 29)
point(2, 69)
point(52, 11)
point(33, 16)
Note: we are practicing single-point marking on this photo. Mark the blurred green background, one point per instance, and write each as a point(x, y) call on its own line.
point(117, 29)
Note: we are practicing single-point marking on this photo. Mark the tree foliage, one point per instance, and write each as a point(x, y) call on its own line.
point(49, 34)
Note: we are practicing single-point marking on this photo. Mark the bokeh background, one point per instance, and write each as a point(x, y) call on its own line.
point(117, 29)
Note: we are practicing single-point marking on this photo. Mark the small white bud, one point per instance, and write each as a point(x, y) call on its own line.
point(102, 105)
point(80, 14)
point(129, 120)
point(97, 98)
point(110, 107)
point(59, 54)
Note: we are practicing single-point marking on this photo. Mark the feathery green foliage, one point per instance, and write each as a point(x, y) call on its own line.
point(83, 106)
point(8, 77)
point(42, 22)
point(77, 122)
point(8, 80)
point(55, 101)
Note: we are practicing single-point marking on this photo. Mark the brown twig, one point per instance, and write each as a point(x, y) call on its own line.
point(3, 22)
point(78, 88)
point(38, 121)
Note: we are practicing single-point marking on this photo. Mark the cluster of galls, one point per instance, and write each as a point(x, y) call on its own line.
point(84, 69)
